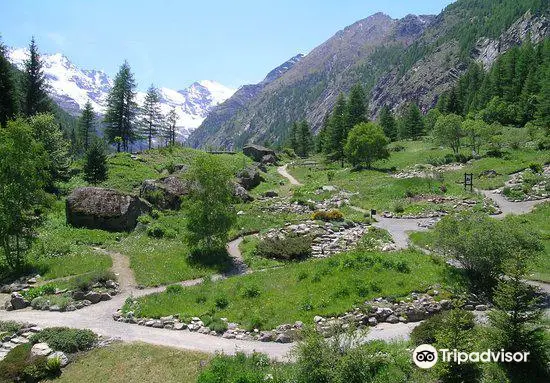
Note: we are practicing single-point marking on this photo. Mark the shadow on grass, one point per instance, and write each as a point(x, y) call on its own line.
point(214, 259)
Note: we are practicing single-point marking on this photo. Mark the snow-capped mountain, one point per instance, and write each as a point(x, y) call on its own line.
point(71, 87)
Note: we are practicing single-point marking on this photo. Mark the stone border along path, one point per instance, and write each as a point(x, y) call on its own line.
point(98, 318)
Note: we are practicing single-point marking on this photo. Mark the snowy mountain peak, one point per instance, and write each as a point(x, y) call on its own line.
point(71, 87)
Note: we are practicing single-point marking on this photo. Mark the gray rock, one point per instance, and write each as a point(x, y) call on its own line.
point(179, 326)
point(106, 209)
point(93, 297)
point(228, 335)
point(249, 178)
point(269, 159)
point(266, 336)
point(241, 193)
point(165, 193)
point(283, 338)
point(105, 297)
point(18, 302)
point(40, 349)
point(392, 319)
point(481, 307)
point(78, 295)
point(257, 152)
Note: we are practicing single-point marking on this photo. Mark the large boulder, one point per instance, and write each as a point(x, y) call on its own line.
point(249, 177)
point(107, 209)
point(241, 193)
point(165, 193)
point(257, 152)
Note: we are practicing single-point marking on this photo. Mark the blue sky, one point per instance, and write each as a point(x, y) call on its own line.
point(174, 43)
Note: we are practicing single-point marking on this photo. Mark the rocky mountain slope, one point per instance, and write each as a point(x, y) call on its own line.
point(223, 113)
point(412, 59)
point(71, 87)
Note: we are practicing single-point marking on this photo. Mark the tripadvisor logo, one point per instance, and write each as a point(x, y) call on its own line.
point(426, 356)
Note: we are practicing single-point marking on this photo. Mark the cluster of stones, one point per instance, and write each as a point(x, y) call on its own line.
point(284, 205)
point(417, 307)
point(283, 333)
point(457, 203)
point(328, 238)
point(20, 284)
point(79, 299)
point(537, 192)
point(9, 342)
point(426, 170)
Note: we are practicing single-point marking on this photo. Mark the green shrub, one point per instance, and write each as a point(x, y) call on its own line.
point(145, 219)
point(40, 303)
point(398, 207)
point(13, 365)
point(251, 292)
point(217, 325)
point(535, 167)
point(424, 333)
point(35, 292)
point(10, 327)
point(175, 289)
point(221, 303)
point(330, 175)
point(66, 339)
point(331, 215)
point(159, 231)
point(86, 282)
point(292, 247)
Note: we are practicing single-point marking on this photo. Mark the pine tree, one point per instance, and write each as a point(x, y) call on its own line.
point(86, 127)
point(356, 107)
point(8, 92)
point(151, 114)
point(95, 165)
point(121, 110)
point(388, 123)
point(543, 110)
point(293, 139)
point(338, 130)
point(170, 129)
point(322, 136)
point(305, 139)
point(413, 125)
point(34, 84)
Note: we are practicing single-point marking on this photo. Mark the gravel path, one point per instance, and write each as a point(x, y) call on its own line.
point(508, 207)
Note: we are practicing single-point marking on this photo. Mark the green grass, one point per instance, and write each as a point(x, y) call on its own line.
point(62, 250)
point(300, 291)
point(135, 362)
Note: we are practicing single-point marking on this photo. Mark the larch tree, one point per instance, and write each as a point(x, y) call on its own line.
point(8, 91)
point(151, 115)
point(34, 84)
point(86, 128)
point(121, 110)
point(338, 130)
point(356, 107)
point(170, 127)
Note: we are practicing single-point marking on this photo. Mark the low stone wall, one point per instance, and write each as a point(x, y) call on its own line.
point(416, 307)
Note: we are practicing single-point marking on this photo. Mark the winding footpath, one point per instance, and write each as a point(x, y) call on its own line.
point(98, 317)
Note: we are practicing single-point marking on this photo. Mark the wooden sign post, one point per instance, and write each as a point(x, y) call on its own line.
point(469, 181)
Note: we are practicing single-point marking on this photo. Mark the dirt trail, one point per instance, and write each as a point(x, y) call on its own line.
point(283, 171)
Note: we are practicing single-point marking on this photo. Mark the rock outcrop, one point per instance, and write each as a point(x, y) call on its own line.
point(249, 178)
point(106, 209)
point(258, 153)
point(164, 193)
